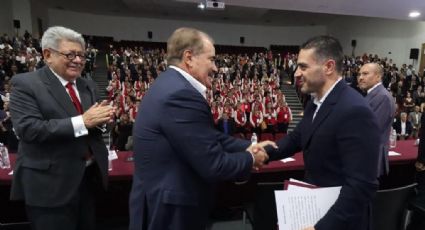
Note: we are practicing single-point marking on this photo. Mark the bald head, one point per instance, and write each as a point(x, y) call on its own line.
point(370, 74)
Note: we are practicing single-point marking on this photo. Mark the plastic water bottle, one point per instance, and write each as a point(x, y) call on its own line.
point(254, 138)
point(110, 165)
point(393, 139)
point(4, 157)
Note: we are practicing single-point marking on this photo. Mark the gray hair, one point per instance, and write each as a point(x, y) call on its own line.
point(54, 35)
point(185, 39)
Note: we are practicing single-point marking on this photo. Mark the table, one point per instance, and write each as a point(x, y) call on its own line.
point(114, 203)
point(122, 169)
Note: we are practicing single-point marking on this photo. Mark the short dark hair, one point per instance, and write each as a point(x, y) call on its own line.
point(326, 47)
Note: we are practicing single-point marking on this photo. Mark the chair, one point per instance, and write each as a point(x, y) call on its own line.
point(15, 226)
point(248, 136)
point(262, 214)
point(390, 207)
point(266, 137)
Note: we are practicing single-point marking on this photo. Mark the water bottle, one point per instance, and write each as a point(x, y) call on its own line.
point(393, 139)
point(110, 166)
point(4, 157)
point(254, 139)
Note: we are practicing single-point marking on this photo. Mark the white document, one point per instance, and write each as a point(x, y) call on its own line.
point(112, 155)
point(392, 153)
point(300, 208)
point(288, 159)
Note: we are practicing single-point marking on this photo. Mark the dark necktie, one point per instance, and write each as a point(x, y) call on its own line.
point(74, 97)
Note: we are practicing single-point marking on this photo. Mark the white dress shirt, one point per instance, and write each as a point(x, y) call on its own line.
point(77, 121)
point(319, 103)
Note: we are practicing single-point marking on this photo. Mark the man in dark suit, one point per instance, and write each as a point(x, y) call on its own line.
point(403, 127)
point(226, 124)
point(61, 154)
point(338, 135)
point(417, 222)
point(382, 104)
point(179, 155)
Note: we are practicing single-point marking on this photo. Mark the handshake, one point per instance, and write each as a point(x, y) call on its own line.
point(259, 154)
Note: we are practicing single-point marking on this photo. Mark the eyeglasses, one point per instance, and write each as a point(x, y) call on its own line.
point(71, 55)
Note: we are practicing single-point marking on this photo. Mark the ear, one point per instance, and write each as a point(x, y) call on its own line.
point(187, 57)
point(329, 66)
point(46, 55)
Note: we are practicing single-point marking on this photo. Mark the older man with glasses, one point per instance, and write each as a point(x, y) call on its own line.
point(62, 159)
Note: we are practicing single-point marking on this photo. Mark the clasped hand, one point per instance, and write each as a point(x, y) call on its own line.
point(259, 153)
point(98, 114)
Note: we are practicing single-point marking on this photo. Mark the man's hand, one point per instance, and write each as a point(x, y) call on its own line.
point(265, 143)
point(98, 114)
point(259, 154)
point(309, 228)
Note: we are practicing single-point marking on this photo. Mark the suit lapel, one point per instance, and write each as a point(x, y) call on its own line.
point(188, 85)
point(86, 94)
point(369, 97)
point(58, 92)
point(325, 110)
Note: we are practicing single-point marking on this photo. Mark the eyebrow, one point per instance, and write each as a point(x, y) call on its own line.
point(302, 64)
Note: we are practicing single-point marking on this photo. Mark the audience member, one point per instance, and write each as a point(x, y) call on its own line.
point(403, 127)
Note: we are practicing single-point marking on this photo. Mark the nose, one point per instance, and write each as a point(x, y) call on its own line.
point(214, 68)
point(297, 73)
point(78, 59)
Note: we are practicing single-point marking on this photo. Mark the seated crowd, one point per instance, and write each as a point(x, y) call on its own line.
point(404, 83)
point(17, 55)
point(245, 96)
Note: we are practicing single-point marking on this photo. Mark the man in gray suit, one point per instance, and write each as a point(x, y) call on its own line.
point(415, 119)
point(382, 104)
point(62, 157)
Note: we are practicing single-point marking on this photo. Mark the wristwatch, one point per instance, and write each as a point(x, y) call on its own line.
point(419, 166)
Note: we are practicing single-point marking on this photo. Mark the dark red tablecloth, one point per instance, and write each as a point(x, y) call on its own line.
point(123, 169)
point(407, 149)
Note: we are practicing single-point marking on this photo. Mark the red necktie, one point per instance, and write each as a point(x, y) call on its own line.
point(74, 97)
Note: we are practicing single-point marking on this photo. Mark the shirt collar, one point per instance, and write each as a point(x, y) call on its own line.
point(376, 85)
point(195, 83)
point(63, 81)
point(319, 102)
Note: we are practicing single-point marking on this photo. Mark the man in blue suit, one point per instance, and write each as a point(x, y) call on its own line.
point(338, 135)
point(179, 155)
point(382, 104)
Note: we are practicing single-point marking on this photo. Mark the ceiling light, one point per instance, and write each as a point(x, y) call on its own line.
point(201, 6)
point(414, 14)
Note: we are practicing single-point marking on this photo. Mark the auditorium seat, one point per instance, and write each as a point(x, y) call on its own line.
point(266, 137)
point(279, 136)
point(390, 207)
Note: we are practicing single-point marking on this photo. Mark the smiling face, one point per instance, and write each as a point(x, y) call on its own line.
point(67, 69)
point(202, 65)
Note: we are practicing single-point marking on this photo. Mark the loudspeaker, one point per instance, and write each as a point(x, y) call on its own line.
point(17, 24)
point(353, 43)
point(150, 34)
point(242, 40)
point(414, 54)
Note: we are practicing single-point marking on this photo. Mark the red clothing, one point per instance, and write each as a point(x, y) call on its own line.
point(270, 116)
point(283, 114)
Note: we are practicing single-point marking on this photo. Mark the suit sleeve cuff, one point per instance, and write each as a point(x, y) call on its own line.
point(253, 158)
point(79, 127)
